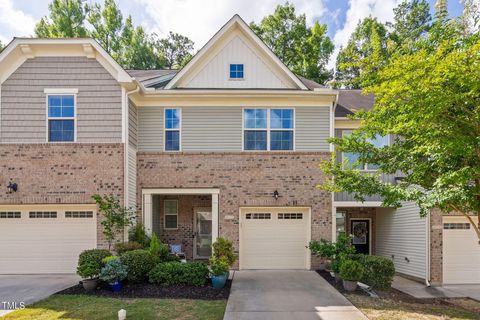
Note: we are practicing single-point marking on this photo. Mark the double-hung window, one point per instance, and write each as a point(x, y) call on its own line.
point(268, 129)
point(172, 129)
point(61, 117)
point(171, 214)
point(352, 157)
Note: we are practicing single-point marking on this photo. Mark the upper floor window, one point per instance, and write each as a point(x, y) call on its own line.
point(352, 158)
point(172, 129)
point(236, 71)
point(61, 118)
point(268, 129)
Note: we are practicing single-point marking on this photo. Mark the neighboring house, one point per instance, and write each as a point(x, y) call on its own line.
point(228, 146)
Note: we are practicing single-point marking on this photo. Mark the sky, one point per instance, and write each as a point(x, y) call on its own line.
point(200, 19)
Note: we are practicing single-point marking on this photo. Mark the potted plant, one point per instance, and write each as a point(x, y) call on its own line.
point(89, 267)
point(351, 271)
point(223, 249)
point(113, 272)
point(323, 249)
point(219, 272)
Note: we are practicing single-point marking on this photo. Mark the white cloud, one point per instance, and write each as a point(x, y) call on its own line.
point(14, 22)
point(357, 10)
point(199, 20)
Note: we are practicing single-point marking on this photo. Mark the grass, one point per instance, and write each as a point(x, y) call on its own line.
point(393, 309)
point(79, 307)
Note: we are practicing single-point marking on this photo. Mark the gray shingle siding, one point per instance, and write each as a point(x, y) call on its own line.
point(23, 101)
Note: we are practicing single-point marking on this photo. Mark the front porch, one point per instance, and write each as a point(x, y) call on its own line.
point(186, 217)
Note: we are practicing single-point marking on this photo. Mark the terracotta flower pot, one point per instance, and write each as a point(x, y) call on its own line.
point(90, 284)
point(350, 285)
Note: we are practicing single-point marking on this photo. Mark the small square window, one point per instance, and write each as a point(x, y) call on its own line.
point(236, 71)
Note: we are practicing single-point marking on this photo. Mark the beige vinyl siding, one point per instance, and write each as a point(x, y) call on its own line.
point(150, 128)
point(257, 74)
point(219, 129)
point(401, 233)
point(99, 100)
point(132, 124)
point(212, 129)
point(312, 128)
point(132, 177)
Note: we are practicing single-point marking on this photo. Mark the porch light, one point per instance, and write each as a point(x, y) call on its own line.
point(12, 187)
point(275, 194)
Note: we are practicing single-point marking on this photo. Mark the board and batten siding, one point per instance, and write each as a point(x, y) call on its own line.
point(401, 234)
point(132, 124)
point(23, 101)
point(257, 74)
point(219, 129)
point(132, 177)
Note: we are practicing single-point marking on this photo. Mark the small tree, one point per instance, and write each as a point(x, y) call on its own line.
point(115, 216)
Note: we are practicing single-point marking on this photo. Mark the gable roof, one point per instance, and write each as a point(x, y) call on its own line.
point(235, 22)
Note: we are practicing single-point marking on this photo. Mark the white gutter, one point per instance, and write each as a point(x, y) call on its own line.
point(427, 251)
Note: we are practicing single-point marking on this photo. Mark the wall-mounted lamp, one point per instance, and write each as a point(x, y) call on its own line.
point(12, 187)
point(276, 194)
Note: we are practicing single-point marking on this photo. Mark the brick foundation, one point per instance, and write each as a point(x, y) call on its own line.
point(244, 179)
point(63, 173)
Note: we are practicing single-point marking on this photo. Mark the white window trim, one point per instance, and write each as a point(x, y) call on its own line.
point(365, 165)
point(62, 92)
point(179, 130)
point(165, 214)
point(268, 129)
point(236, 79)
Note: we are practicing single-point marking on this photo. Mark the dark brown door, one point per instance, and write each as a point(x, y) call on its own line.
point(360, 229)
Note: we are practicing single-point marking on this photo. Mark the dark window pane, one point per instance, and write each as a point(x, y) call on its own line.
point(172, 140)
point(61, 130)
point(255, 140)
point(172, 119)
point(281, 140)
point(170, 221)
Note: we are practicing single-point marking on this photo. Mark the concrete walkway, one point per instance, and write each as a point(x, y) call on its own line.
point(27, 289)
point(291, 294)
point(420, 290)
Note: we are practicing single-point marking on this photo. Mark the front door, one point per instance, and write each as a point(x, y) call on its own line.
point(360, 229)
point(203, 233)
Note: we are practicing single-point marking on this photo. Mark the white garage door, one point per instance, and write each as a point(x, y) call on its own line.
point(45, 239)
point(461, 252)
point(274, 238)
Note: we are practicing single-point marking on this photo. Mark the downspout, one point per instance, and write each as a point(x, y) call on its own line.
point(427, 244)
point(126, 149)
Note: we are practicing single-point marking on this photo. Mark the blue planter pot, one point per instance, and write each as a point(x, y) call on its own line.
point(218, 282)
point(116, 286)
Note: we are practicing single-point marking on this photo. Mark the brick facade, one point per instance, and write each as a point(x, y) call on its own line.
point(63, 173)
point(244, 179)
point(361, 212)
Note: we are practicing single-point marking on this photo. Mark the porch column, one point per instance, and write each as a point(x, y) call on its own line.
point(214, 217)
point(147, 213)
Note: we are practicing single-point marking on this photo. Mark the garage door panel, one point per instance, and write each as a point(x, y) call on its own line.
point(44, 245)
point(274, 243)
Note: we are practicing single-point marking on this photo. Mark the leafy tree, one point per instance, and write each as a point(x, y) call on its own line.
point(365, 53)
point(66, 20)
point(304, 50)
point(107, 23)
point(411, 20)
point(115, 216)
point(428, 100)
point(176, 49)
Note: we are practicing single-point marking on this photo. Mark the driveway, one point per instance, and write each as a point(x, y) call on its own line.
point(27, 289)
point(286, 294)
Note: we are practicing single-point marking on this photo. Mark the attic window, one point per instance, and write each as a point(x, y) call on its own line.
point(236, 71)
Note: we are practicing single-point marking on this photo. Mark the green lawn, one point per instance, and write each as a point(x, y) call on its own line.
point(76, 307)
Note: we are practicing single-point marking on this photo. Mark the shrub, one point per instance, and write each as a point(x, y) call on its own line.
point(379, 271)
point(218, 266)
point(323, 248)
point(158, 250)
point(108, 259)
point(351, 270)
point(139, 263)
point(138, 234)
point(90, 262)
point(223, 248)
point(174, 273)
point(122, 247)
point(113, 271)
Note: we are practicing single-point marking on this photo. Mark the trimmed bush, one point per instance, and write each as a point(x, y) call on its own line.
point(90, 262)
point(379, 271)
point(139, 263)
point(351, 270)
point(122, 247)
point(138, 234)
point(174, 273)
point(158, 250)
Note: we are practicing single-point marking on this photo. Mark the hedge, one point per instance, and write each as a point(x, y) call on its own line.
point(173, 273)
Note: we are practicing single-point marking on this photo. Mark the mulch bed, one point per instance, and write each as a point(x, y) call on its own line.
point(148, 290)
